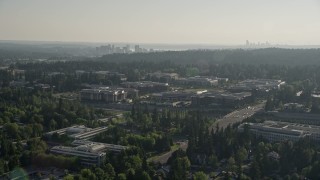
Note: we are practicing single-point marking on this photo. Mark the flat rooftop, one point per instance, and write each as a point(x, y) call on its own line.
point(97, 146)
point(79, 131)
point(285, 128)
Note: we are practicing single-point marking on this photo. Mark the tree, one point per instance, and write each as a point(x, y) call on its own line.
point(200, 176)
point(36, 145)
point(231, 166)
point(121, 176)
point(155, 117)
point(12, 130)
point(37, 129)
point(2, 166)
point(88, 174)
point(109, 170)
point(130, 173)
point(281, 107)
point(101, 175)
point(315, 108)
point(180, 168)
point(52, 125)
point(241, 155)
point(255, 171)
point(213, 161)
point(143, 175)
point(14, 161)
point(133, 162)
point(68, 177)
point(269, 104)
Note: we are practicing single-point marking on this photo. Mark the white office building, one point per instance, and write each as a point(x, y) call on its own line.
point(281, 131)
point(78, 132)
point(88, 154)
point(102, 146)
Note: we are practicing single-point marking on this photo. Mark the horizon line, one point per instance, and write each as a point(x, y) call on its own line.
point(151, 43)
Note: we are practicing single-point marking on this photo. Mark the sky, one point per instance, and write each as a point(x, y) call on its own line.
point(225, 22)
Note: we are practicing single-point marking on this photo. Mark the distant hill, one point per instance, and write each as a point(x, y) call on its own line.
point(42, 50)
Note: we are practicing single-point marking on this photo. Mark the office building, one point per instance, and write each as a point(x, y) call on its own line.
point(88, 154)
point(221, 98)
point(146, 86)
point(197, 81)
point(257, 84)
point(100, 146)
point(103, 94)
point(163, 77)
point(78, 132)
point(281, 131)
point(172, 96)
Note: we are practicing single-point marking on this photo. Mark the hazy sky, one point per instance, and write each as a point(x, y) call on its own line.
point(162, 21)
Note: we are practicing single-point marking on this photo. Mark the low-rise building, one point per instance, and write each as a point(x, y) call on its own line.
point(294, 107)
point(273, 155)
point(218, 98)
point(18, 84)
point(257, 84)
point(18, 73)
point(131, 93)
point(154, 104)
point(281, 131)
point(146, 86)
point(88, 154)
point(43, 87)
point(104, 94)
point(172, 96)
point(55, 74)
point(295, 117)
point(80, 132)
point(100, 75)
point(197, 81)
point(163, 77)
point(315, 94)
point(102, 146)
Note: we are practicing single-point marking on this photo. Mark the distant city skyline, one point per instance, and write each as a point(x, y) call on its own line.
point(230, 22)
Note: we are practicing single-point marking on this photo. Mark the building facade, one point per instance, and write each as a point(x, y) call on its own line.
point(88, 154)
point(281, 131)
point(108, 95)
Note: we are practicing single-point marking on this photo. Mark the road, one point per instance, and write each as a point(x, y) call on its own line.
point(237, 116)
point(162, 159)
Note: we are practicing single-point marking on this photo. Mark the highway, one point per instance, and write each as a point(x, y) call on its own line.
point(237, 116)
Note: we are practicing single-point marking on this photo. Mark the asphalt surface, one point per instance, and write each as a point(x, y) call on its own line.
point(237, 116)
point(164, 157)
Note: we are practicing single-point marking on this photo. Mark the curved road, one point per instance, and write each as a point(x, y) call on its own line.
point(164, 157)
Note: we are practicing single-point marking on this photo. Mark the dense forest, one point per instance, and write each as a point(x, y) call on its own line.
point(138, 70)
point(251, 56)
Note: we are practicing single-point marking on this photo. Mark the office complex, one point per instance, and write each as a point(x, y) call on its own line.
point(104, 94)
point(100, 146)
point(221, 98)
point(146, 86)
point(198, 81)
point(281, 131)
point(89, 153)
point(78, 132)
point(257, 84)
